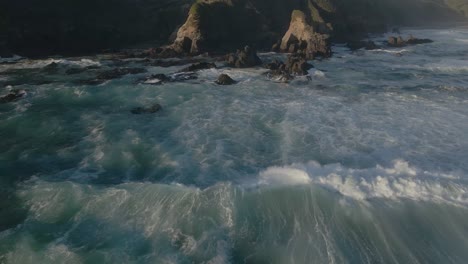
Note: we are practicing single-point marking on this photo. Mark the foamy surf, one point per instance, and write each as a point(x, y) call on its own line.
point(401, 181)
point(37, 64)
point(362, 162)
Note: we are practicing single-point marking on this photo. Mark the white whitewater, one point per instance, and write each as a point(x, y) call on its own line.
point(367, 162)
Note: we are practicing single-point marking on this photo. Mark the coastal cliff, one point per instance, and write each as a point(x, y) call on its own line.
point(34, 28)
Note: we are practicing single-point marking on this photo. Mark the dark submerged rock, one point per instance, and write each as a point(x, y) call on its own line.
point(274, 65)
point(415, 41)
point(297, 65)
point(12, 96)
point(119, 72)
point(356, 45)
point(225, 79)
point(171, 63)
point(400, 42)
point(146, 110)
point(199, 66)
point(51, 68)
point(111, 74)
point(78, 70)
point(244, 58)
point(158, 79)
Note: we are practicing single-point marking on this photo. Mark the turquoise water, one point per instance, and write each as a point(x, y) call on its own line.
point(365, 163)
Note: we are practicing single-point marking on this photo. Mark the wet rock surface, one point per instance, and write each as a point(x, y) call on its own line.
point(225, 79)
point(398, 42)
point(199, 66)
point(302, 37)
point(245, 58)
point(111, 74)
point(12, 96)
point(295, 65)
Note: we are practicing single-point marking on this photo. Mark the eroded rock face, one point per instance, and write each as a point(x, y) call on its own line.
point(303, 38)
point(223, 25)
point(220, 26)
point(89, 25)
point(190, 38)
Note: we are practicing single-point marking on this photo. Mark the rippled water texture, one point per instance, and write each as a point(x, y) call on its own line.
point(365, 163)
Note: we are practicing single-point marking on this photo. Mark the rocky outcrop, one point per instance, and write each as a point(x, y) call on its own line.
point(244, 58)
point(399, 42)
point(396, 42)
point(220, 26)
point(190, 37)
point(295, 65)
point(298, 65)
point(199, 66)
point(361, 44)
point(303, 38)
point(119, 72)
point(112, 74)
point(12, 96)
point(193, 27)
point(415, 41)
point(225, 79)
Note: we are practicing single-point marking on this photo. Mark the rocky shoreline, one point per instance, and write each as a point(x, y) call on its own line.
point(215, 28)
point(208, 26)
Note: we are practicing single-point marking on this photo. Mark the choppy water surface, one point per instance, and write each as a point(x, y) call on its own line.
point(366, 163)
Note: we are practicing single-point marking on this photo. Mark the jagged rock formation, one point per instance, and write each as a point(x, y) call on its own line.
point(295, 65)
point(313, 24)
point(190, 37)
point(74, 27)
point(220, 25)
point(303, 38)
point(244, 58)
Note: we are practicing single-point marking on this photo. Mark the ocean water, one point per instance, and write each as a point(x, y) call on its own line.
point(367, 162)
